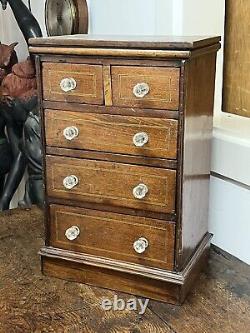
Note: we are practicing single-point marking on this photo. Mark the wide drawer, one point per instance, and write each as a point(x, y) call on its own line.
point(139, 240)
point(146, 87)
point(73, 83)
point(152, 137)
point(110, 183)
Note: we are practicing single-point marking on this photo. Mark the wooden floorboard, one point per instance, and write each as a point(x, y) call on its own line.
point(30, 302)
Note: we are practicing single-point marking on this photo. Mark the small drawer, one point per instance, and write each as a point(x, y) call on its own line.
point(142, 241)
point(152, 137)
point(73, 83)
point(110, 183)
point(146, 87)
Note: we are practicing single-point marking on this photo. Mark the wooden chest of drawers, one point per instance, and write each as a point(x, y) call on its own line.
point(126, 126)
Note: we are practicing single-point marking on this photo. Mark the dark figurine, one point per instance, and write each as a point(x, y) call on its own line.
point(8, 58)
point(19, 118)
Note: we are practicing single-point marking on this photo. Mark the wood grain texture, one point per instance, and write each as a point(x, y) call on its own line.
point(112, 133)
point(32, 303)
point(98, 235)
point(182, 278)
point(88, 108)
point(196, 150)
point(111, 183)
point(110, 61)
point(139, 286)
point(120, 158)
point(107, 85)
point(181, 87)
point(83, 17)
point(236, 91)
point(117, 41)
point(113, 209)
point(163, 83)
point(105, 52)
point(89, 79)
point(219, 302)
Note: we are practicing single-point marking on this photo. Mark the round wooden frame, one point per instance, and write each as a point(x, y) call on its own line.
point(80, 19)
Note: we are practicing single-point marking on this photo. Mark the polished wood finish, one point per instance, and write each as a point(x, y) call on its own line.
point(82, 22)
point(163, 84)
point(139, 53)
point(129, 42)
point(32, 302)
point(114, 110)
point(171, 289)
point(110, 244)
point(198, 111)
point(174, 164)
point(112, 183)
point(114, 209)
point(107, 85)
point(89, 81)
point(112, 133)
point(129, 267)
point(236, 90)
point(104, 156)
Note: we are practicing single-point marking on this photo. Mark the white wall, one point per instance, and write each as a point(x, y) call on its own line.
point(10, 33)
point(229, 209)
point(140, 17)
point(207, 18)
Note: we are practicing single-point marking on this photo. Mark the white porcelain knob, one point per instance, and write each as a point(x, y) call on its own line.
point(70, 181)
point(140, 139)
point(140, 245)
point(72, 233)
point(70, 133)
point(140, 191)
point(141, 90)
point(68, 84)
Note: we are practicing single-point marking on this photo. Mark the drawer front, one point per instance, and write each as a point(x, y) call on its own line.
point(114, 236)
point(150, 137)
point(146, 87)
point(110, 183)
point(73, 83)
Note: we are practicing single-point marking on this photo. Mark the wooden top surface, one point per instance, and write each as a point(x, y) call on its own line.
point(128, 42)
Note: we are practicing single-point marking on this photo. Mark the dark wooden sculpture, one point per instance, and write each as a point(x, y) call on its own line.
point(19, 118)
point(8, 58)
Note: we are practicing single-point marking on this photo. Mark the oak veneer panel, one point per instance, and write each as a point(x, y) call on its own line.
point(197, 139)
point(112, 133)
point(99, 236)
point(89, 81)
point(163, 83)
point(112, 183)
point(114, 280)
point(127, 41)
point(180, 75)
point(236, 90)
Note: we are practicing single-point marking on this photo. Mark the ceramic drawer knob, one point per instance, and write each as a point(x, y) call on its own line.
point(70, 182)
point(140, 139)
point(140, 245)
point(68, 84)
point(140, 191)
point(141, 90)
point(72, 233)
point(70, 133)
